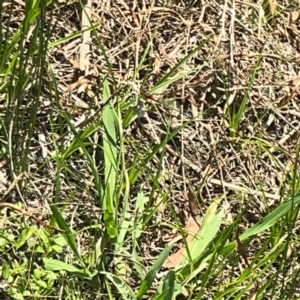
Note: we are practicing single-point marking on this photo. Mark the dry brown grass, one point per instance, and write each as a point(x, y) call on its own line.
point(257, 159)
point(252, 56)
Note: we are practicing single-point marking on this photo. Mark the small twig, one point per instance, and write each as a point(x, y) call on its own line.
point(30, 215)
point(22, 211)
point(85, 122)
point(245, 190)
point(231, 35)
point(230, 186)
point(17, 179)
point(264, 55)
point(193, 205)
point(241, 248)
point(86, 37)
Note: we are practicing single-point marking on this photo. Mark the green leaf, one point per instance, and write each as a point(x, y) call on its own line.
point(77, 143)
point(110, 124)
point(39, 249)
point(68, 235)
point(71, 36)
point(42, 235)
point(272, 218)
point(169, 286)
point(25, 235)
point(267, 222)
point(60, 241)
point(4, 240)
point(162, 296)
point(211, 225)
point(6, 270)
point(169, 81)
point(121, 286)
point(141, 202)
point(57, 248)
point(57, 265)
point(147, 282)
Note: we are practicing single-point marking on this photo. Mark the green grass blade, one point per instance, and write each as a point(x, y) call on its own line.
point(68, 235)
point(110, 125)
point(66, 118)
point(272, 218)
point(147, 282)
point(57, 265)
point(166, 78)
point(168, 287)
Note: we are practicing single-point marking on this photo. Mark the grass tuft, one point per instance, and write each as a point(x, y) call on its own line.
point(149, 150)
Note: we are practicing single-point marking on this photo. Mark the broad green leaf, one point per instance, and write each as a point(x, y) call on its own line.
point(4, 240)
point(60, 241)
point(57, 265)
point(207, 234)
point(39, 249)
point(198, 247)
point(210, 226)
point(57, 248)
point(6, 269)
point(43, 236)
point(141, 202)
point(137, 263)
point(110, 125)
